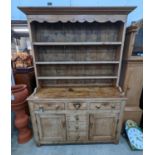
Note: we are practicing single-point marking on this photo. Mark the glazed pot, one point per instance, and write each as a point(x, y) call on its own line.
point(20, 93)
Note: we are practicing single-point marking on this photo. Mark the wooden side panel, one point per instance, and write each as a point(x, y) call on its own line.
point(133, 82)
point(123, 30)
point(32, 38)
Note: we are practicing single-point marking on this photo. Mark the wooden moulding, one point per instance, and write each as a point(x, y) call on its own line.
point(77, 14)
point(76, 10)
point(77, 18)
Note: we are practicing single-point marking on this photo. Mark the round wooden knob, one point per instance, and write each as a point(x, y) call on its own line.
point(77, 105)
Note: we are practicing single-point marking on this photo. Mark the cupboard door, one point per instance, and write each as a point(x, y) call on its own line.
point(51, 127)
point(102, 127)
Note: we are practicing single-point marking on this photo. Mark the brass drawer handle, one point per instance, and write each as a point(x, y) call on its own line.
point(41, 108)
point(98, 106)
point(76, 127)
point(77, 117)
point(104, 104)
point(77, 105)
point(113, 106)
point(57, 107)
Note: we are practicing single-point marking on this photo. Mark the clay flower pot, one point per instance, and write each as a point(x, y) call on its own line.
point(19, 106)
point(20, 93)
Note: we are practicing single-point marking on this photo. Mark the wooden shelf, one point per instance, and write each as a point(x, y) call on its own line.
point(74, 77)
point(74, 43)
point(75, 62)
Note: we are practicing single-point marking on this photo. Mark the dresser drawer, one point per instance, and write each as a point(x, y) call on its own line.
point(77, 118)
point(77, 136)
point(77, 126)
point(77, 106)
point(105, 106)
point(49, 106)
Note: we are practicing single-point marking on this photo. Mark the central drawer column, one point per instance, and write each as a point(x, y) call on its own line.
point(77, 121)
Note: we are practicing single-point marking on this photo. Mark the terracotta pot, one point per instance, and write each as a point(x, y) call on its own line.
point(20, 93)
point(19, 106)
point(22, 122)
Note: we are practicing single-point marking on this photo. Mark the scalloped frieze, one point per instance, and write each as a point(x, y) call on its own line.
point(77, 18)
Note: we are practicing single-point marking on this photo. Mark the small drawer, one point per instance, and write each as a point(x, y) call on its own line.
point(105, 106)
point(77, 118)
point(77, 136)
point(77, 106)
point(50, 106)
point(73, 126)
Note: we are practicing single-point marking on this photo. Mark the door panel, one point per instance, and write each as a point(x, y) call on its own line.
point(102, 127)
point(52, 127)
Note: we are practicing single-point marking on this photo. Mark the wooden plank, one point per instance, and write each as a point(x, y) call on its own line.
point(74, 43)
point(75, 62)
point(75, 77)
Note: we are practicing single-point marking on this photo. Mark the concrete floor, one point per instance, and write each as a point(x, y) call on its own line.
point(92, 149)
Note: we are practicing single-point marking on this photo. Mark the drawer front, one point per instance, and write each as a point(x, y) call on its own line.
point(77, 136)
point(104, 106)
point(77, 126)
point(77, 106)
point(77, 118)
point(49, 106)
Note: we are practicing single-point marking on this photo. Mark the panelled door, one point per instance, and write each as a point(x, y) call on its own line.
point(51, 127)
point(102, 127)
